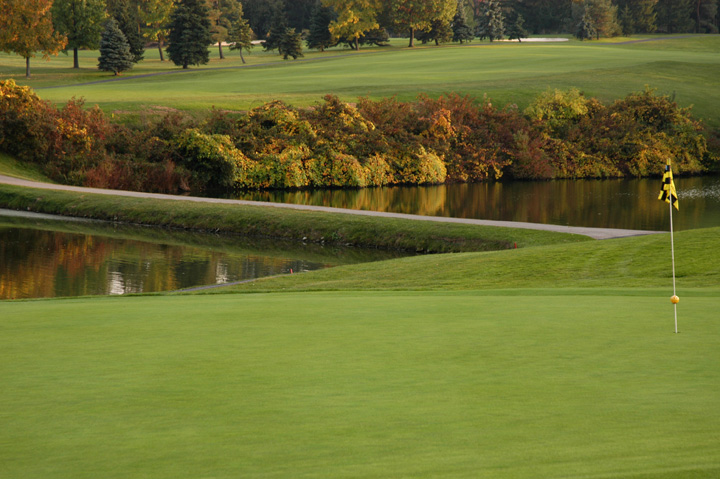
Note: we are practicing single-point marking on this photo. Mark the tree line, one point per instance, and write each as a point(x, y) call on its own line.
point(561, 134)
point(122, 29)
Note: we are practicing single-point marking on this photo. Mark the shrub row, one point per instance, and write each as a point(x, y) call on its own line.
point(454, 138)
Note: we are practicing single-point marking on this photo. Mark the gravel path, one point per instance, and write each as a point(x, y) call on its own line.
point(597, 233)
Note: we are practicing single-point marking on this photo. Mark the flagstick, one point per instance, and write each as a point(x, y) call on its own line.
point(672, 249)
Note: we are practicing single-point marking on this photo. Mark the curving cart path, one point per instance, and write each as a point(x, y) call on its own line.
point(597, 233)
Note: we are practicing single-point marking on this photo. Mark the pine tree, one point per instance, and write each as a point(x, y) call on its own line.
point(240, 37)
point(494, 21)
point(290, 44)
point(674, 16)
point(189, 34)
point(128, 21)
point(517, 29)
point(274, 36)
point(461, 30)
point(319, 36)
point(627, 21)
point(586, 28)
point(115, 53)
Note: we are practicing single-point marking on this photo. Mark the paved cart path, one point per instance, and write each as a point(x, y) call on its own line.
point(597, 233)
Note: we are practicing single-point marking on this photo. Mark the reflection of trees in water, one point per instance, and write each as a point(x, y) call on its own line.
point(37, 263)
point(613, 203)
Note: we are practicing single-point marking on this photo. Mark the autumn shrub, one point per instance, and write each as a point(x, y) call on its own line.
point(212, 160)
point(24, 122)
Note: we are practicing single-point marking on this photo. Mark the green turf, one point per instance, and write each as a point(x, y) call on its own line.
point(508, 73)
point(360, 385)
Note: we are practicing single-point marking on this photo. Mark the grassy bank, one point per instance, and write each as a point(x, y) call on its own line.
point(261, 221)
point(370, 385)
point(509, 73)
point(639, 262)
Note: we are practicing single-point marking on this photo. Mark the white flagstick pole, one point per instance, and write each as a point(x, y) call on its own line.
point(672, 249)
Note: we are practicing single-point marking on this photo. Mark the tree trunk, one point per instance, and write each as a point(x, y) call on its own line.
point(412, 38)
point(76, 63)
point(185, 65)
point(357, 43)
point(222, 57)
point(697, 17)
point(27, 67)
point(160, 45)
point(241, 56)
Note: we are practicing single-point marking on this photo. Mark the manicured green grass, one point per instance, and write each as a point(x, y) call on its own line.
point(267, 221)
point(507, 72)
point(360, 385)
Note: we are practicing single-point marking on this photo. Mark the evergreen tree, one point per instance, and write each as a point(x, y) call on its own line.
point(189, 34)
point(517, 29)
point(240, 37)
point(115, 55)
point(461, 30)
point(637, 16)
point(586, 28)
point(674, 16)
point(493, 20)
point(276, 32)
point(81, 21)
point(128, 20)
point(290, 44)
point(604, 17)
point(627, 22)
point(705, 16)
point(319, 36)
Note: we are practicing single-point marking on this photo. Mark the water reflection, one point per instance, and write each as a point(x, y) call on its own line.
point(41, 262)
point(623, 203)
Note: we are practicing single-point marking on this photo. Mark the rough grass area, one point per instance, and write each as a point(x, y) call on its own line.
point(639, 262)
point(361, 385)
point(265, 221)
point(11, 167)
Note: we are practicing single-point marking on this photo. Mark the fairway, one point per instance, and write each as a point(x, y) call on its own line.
point(509, 73)
point(508, 385)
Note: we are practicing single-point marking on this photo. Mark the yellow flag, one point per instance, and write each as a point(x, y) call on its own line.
point(668, 192)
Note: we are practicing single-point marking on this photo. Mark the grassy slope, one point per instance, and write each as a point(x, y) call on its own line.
point(11, 167)
point(283, 223)
point(640, 262)
point(509, 73)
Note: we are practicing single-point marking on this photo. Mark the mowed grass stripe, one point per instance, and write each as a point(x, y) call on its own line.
point(359, 385)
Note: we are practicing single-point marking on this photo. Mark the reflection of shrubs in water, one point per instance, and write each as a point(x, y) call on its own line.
point(562, 134)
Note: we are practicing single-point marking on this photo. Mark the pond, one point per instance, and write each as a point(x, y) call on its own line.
point(617, 203)
point(42, 258)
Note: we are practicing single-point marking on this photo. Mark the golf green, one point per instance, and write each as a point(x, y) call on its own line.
point(515, 384)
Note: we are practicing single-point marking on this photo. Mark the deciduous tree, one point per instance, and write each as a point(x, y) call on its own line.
point(26, 28)
point(189, 34)
point(354, 17)
point(415, 15)
point(81, 21)
point(240, 37)
point(155, 15)
point(223, 13)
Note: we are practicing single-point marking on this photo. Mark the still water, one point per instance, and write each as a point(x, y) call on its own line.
point(40, 258)
point(617, 203)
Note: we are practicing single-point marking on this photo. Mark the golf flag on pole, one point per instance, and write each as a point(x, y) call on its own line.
point(669, 195)
point(668, 192)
